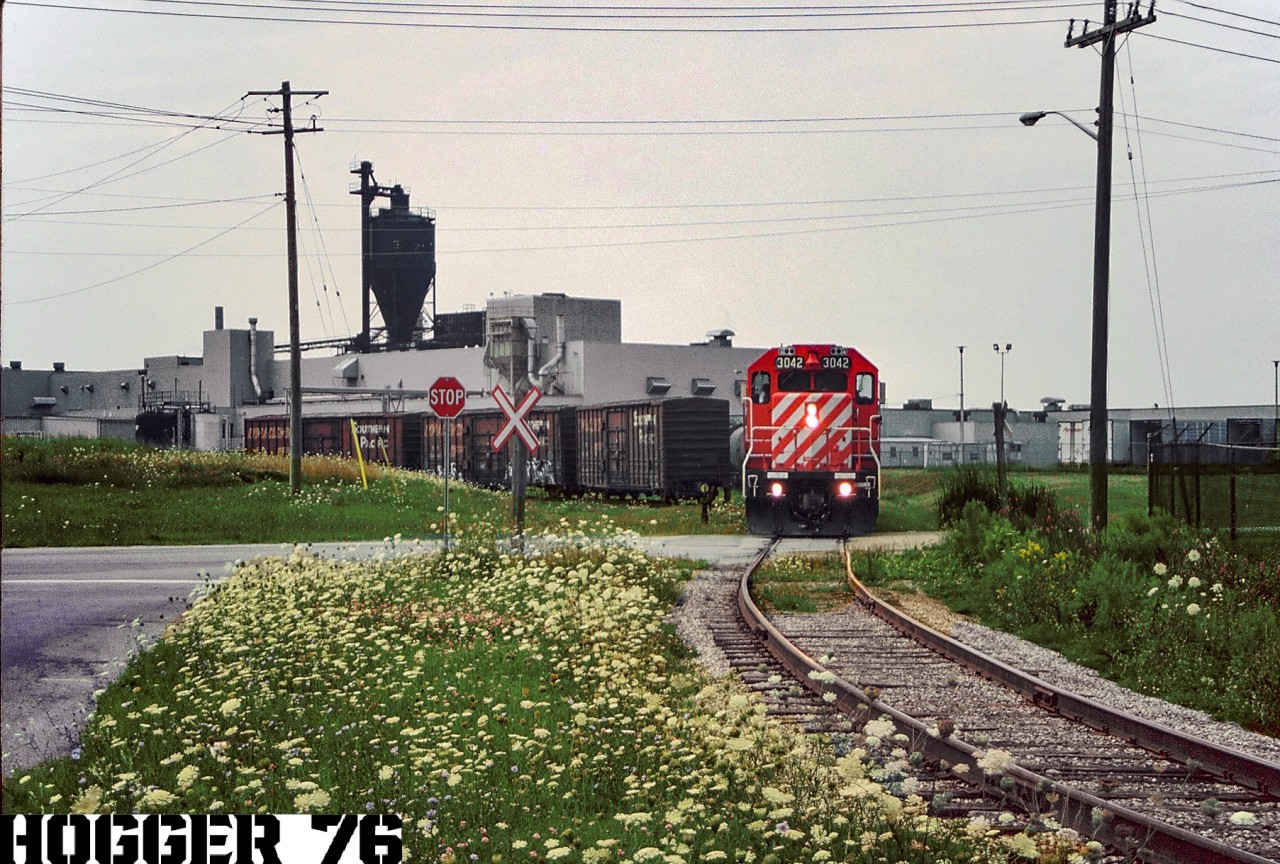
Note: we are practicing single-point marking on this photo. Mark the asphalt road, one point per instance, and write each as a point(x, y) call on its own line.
point(71, 618)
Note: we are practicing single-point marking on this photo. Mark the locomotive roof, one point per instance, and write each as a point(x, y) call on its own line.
point(819, 347)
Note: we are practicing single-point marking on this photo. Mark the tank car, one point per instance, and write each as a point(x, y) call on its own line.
point(811, 442)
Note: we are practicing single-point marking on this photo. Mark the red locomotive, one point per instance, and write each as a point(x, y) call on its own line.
point(811, 464)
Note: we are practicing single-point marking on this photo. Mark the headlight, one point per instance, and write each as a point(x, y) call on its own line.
point(845, 489)
point(776, 490)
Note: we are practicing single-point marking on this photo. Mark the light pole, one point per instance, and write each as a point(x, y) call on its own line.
point(1106, 34)
point(962, 456)
point(1101, 289)
point(1007, 348)
point(999, 410)
point(1275, 430)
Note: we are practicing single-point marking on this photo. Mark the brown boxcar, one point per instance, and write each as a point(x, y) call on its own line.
point(401, 434)
point(670, 448)
point(270, 434)
point(477, 462)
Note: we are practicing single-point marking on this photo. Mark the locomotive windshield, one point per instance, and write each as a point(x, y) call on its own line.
point(804, 381)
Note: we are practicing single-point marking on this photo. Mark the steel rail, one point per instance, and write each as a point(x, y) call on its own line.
point(1145, 838)
point(1222, 763)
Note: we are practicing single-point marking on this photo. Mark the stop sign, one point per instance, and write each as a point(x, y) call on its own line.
point(447, 397)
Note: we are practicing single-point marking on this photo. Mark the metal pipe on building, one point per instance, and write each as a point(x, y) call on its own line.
point(253, 357)
point(550, 365)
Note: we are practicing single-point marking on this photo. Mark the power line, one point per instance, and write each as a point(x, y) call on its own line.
point(1229, 12)
point(935, 215)
point(150, 266)
point(536, 27)
point(1211, 48)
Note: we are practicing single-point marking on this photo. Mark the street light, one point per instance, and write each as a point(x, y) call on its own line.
point(1000, 410)
point(1101, 289)
point(1007, 348)
point(1275, 430)
point(1031, 118)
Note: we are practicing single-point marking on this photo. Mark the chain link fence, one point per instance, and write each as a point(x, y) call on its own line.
point(1222, 486)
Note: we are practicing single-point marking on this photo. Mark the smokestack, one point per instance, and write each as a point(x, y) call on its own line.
point(217, 317)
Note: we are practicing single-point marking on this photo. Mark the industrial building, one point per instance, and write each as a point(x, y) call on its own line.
point(574, 346)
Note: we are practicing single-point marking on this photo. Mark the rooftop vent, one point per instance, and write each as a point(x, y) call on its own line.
point(720, 338)
point(15, 364)
point(656, 386)
point(59, 367)
point(918, 405)
point(43, 402)
point(348, 370)
point(702, 387)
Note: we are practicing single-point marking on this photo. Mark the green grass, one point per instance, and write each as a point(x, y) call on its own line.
point(1164, 610)
point(81, 492)
point(801, 583)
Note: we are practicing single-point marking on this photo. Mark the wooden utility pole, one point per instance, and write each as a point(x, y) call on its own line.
point(1106, 34)
point(291, 227)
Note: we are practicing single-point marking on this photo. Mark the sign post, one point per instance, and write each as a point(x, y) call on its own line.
point(516, 425)
point(447, 397)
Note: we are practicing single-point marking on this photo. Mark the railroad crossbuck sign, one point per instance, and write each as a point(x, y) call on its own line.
point(515, 418)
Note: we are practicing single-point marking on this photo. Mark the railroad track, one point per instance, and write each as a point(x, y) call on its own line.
point(996, 739)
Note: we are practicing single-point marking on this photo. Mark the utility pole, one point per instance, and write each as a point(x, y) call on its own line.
point(291, 228)
point(1106, 34)
point(962, 456)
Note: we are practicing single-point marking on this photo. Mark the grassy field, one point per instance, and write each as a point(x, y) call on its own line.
point(77, 492)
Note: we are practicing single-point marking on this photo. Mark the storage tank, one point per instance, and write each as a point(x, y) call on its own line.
point(402, 265)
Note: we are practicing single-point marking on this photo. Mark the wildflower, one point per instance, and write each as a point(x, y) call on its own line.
point(995, 761)
point(230, 707)
point(156, 799)
point(1243, 817)
point(1175, 581)
point(1161, 568)
point(1193, 608)
point(1193, 556)
point(316, 800)
point(1193, 582)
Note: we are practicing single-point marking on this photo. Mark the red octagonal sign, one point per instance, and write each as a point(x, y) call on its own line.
point(447, 397)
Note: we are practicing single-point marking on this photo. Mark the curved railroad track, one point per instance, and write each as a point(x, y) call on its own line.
point(1148, 792)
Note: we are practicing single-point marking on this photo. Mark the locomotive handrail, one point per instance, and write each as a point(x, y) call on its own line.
point(751, 438)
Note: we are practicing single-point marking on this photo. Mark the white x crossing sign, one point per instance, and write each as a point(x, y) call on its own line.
point(515, 418)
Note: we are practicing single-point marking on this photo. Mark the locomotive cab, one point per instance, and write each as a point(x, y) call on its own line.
point(812, 443)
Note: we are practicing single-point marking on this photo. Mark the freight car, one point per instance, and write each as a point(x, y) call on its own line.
point(399, 434)
point(668, 448)
point(811, 465)
point(470, 456)
point(671, 449)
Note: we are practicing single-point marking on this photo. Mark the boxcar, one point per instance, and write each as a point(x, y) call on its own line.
point(669, 448)
point(321, 436)
point(470, 455)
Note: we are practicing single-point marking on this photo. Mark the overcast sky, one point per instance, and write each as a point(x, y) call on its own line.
point(896, 204)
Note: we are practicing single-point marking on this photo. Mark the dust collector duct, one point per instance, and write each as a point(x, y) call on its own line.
point(253, 359)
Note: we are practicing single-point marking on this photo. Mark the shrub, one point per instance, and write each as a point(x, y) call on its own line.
point(963, 485)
